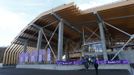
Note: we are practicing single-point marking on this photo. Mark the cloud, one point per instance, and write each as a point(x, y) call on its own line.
point(91, 4)
point(11, 24)
point(34, 4)
point(95, 3)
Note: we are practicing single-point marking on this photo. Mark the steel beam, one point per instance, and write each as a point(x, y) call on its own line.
point(36, 26)
point(93, 33)
point(118, 29)
point(103, 41)
point(39, 43)
point(60, 40)
point(56, 35)
point(102, 35)
point(66, 22)
point(83, 36)
point(25, 46)
point(48, 42)
point(130, 39)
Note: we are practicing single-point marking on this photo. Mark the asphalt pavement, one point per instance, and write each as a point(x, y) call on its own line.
point(14, 71)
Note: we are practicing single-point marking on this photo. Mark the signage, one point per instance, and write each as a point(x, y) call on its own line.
point(78, 62)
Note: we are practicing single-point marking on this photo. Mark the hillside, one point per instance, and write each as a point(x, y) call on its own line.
point(2, 49)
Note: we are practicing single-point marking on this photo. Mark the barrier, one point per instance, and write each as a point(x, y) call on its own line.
point(78, 62)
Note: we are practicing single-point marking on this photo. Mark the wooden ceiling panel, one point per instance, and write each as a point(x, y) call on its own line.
point(70, 33)
point(125, 23)
point(118, 11)
point(72, 8)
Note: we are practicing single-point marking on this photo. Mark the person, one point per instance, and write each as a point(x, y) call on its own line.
point(85, 62)
point(90, 61)
point(96, 65)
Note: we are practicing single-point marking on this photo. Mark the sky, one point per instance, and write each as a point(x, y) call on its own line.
point(16, 14)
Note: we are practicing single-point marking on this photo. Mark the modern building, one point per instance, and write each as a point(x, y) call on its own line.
point(67, 33)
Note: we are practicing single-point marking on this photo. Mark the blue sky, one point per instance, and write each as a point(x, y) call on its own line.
point(16, 14)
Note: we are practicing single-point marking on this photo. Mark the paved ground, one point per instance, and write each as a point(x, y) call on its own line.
point(13, 71)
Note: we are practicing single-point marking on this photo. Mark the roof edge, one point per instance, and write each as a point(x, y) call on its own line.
point(63, 6)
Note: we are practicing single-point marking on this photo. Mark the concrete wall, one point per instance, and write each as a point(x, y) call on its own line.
point(1, 65)
point(128, 55)
point(51, 66)
point(74, 67)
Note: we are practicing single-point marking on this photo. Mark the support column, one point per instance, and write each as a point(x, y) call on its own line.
point(103, 41)
point(25, 46)
point(60, 40)
point(39, 43)
point(102, 35)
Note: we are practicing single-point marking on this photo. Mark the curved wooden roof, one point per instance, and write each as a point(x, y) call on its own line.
point(119, 14)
